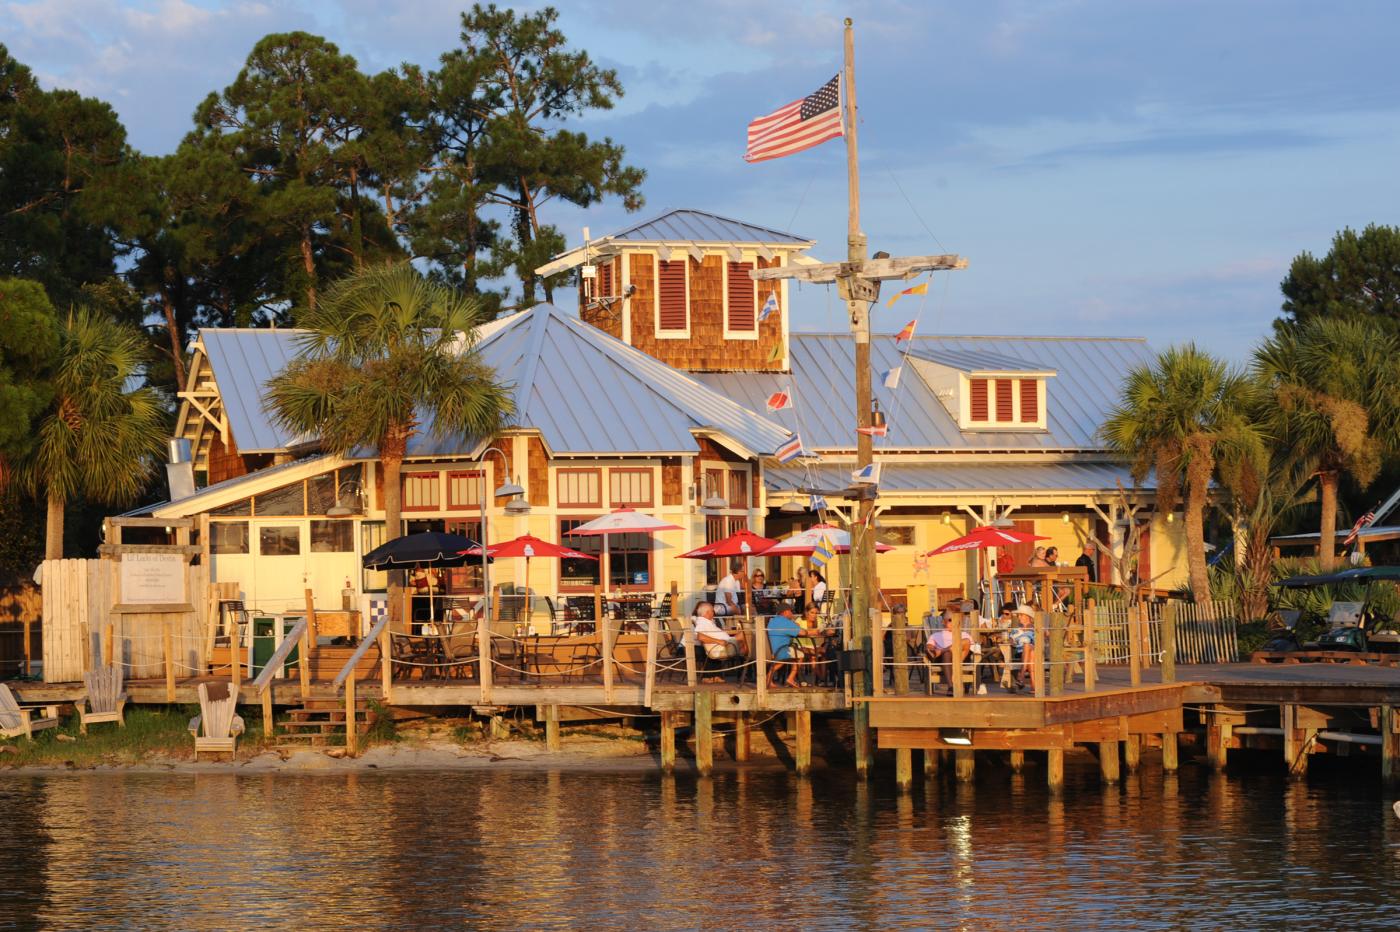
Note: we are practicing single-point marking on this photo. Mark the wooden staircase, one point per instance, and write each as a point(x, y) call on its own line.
point(320, 724)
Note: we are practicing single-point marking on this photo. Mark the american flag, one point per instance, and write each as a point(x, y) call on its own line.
point(1361, 522)
point(800, 125)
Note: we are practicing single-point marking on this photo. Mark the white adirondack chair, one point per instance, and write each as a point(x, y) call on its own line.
point(20, 720)
point(217, 726)
point(104, 700)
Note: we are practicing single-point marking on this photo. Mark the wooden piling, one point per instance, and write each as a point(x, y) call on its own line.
point(760, 656)
point(1091, 664)
point(1390, 745)
point(552, 741)
point(668, 741)
point(966, 764)
point(691, 643)
point(933, 762)
point(1171, 752)
point(704, 732)
point(607, 646)
point(1055, 769)
point(1018, 761)
point(483, 648)
point(1132, 752)
point(1108, 761)
point(877, 658)
point(653, 645)
point(598, 608)
point(903, 757)
point(1218, 738)
point(804, 741)
point(903, 768)
point(742, 741)
point(1295, 756)
point(955, 654)
point(1134, 645)
point(235, 652)
point(386, 666)
point(168, 639)
point(1055, 653)
point(269, 722)
point(1169, 643)
point(352, 735)
point(1038, 668)
point(28, 648)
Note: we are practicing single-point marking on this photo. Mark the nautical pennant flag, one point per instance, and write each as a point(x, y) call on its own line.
point(817, 503)
point(769, 307)
point(891, 377)
point(875, 431)
point(823, 552)
point(1361, 522)
point(779, 400)
point(920, 288)
point(790, 450)
point(906, 334)
point(776, 352)
point(867, 475)
point(802, 124)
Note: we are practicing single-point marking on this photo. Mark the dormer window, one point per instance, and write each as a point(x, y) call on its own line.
point(985, 390)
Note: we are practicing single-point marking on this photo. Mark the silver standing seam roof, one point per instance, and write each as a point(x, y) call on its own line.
point(698, 226)
point(245, 358)
point(974, 360)
point(1089, 376)
point(961, 477)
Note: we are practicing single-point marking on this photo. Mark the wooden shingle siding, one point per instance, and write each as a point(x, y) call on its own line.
point(740, 304)
point(672, 311)
point(977, 400)
point(671, 481)
point(1030, 401)
point(1004, 405)
point(537, 461)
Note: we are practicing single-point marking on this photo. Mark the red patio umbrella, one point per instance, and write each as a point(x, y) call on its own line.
point(984, 537)
point(742, 543)
point(528, 546)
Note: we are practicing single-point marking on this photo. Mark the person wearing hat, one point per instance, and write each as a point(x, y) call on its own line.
point(1021, 636)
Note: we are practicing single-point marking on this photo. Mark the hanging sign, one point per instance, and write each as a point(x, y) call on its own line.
point(153, 578)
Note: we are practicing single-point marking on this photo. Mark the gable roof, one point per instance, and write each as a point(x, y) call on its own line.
point(976, 360)
point(1089, 371)
point(699, 226)
point(585, 391)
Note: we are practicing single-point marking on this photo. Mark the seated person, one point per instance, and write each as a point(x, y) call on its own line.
point(729, 594)
point(1021, 636)
point(717, 643)
point(783, 629)
point(939, 647)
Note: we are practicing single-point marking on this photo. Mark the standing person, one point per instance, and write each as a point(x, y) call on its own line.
point(1089, 560)
point(730, 589)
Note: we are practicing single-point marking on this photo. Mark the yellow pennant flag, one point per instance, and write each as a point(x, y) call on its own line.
point(921, 288)
point(777, 352)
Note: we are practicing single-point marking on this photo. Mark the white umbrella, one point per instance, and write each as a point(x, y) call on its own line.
point(803, 543)
point(623, 521)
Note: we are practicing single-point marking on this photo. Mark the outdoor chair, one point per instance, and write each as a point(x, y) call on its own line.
point(506, 647)
point(217, 726)
point(17, 719)
point(102, 699)
point(459, 651)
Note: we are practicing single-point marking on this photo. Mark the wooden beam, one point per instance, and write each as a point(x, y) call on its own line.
point(120, 522)
point(117, 550)
point(152, 608)
point(1171, 752)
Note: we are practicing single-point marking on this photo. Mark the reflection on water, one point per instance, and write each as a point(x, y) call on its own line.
point(571, 849)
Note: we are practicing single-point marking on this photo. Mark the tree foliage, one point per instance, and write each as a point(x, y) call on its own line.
point(1359, 278)
point(28, 342)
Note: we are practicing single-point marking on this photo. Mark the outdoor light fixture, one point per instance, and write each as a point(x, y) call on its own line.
point(349, 489)
point(1004, 521)
point(714, 501)
point(962, 737)
point(517, 506)
point(877, 417)
point(793, 507)
point(1064, 517)
point(947, 517)
point(1171, 517)
point(509, 488)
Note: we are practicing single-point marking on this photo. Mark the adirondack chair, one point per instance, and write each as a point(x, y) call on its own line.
point(217, 726)
point(16, 719)
point(104, 700)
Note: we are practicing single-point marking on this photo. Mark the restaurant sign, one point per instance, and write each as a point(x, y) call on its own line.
point(153, 578)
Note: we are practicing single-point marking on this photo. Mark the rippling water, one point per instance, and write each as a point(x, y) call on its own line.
point(758, 850)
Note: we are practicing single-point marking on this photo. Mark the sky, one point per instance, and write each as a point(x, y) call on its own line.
point(1108, 168)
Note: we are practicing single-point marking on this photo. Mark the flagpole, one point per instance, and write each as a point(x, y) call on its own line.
point(857, 304)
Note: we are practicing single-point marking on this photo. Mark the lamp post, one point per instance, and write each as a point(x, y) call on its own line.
point(508, 488)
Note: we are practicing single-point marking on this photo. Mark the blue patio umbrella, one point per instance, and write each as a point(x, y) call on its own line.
point(426, 549)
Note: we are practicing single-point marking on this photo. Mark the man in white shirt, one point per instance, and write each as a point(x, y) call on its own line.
point(729, 589)
point(717, 643)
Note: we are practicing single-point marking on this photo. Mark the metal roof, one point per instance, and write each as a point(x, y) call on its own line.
point(961, 477)
point(699, 226)
point(258, 478)
point(1089, 376)
point(975, 360)
point(243, 360)
point(585, 391)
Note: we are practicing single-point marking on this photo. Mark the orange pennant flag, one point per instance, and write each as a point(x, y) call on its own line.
point(906, 334)
point(921, 288)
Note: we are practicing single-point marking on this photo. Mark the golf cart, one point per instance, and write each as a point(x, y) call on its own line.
point(1350, 626)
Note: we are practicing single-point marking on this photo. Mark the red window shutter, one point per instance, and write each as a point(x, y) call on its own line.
point(605, 280)
point(977, 400)
point(671, 295)
point(1030, 401)
point(741, 297)
point(1004, 400)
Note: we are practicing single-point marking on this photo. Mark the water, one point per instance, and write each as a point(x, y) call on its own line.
point(753, 850)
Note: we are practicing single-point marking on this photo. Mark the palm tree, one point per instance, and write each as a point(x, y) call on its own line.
point(1334, 392)
point(382, 347)
point(1180, 416)
point(104, 428)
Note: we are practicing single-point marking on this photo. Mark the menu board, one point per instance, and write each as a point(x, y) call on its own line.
point(153, 578)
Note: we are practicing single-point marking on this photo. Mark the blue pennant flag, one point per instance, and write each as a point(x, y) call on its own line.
point(817, 503)
point(769, 307)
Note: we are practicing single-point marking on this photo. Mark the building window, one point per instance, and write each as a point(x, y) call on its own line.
point(579, 488)
point(421, 491)
point(895, 535)
point(741, 299)
point(228, 537)
point(371, 536)
point(282, 541)
point(575, 574)
point(1030, 401)
point(283, 502)
point(332, 536)
point(244, 506)
point(465, 578)
point(320, 493)
point(464, 490)
point(1004, 401)
point(672, 310)
point(629, 488)
point(738, 489)
point(977, 400)
point(629, 561)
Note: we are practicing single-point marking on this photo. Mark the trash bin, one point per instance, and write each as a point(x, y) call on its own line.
point(265, 641)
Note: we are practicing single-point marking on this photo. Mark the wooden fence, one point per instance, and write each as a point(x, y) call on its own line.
point(78, 612)
point(20, 610)
point(1205, 633)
